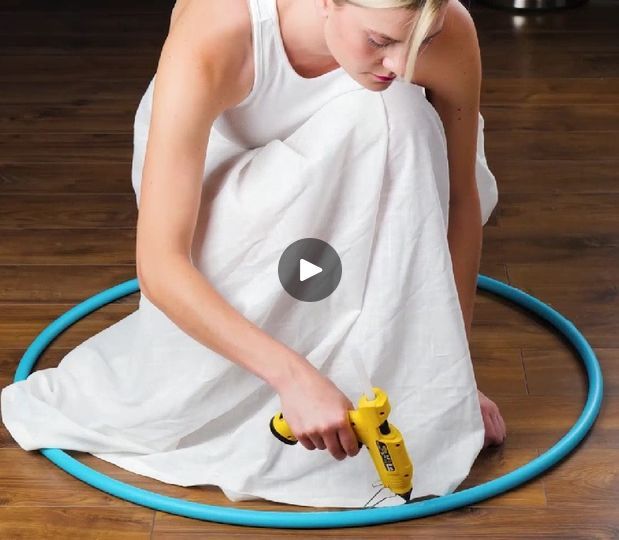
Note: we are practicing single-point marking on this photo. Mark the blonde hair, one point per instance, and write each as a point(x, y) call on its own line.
point(428, 11)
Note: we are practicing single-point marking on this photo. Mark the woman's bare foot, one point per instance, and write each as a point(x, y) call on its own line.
point(494, 425)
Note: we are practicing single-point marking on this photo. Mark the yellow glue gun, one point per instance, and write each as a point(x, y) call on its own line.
point(383, 440)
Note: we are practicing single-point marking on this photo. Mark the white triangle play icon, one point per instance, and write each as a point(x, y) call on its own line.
point(307, 269)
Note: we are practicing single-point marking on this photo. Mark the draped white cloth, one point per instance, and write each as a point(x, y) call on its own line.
point(367, 173)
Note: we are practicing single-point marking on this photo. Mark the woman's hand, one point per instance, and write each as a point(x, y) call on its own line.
point(493, 422)
point(317, 412)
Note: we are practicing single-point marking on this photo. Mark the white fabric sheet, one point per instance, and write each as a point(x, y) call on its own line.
point(367, 173)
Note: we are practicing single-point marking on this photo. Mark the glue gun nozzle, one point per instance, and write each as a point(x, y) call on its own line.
point(406, 496)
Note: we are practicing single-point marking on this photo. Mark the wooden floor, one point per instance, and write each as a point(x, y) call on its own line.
point(71, 77)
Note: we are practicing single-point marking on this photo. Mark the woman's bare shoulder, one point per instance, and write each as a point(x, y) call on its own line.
point(437, 56)
point(212, 13)
point(221, 31)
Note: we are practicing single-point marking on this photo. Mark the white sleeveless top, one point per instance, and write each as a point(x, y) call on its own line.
point(280, 99)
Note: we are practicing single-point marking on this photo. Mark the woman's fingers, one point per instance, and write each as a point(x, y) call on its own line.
point(307, 442)
point(503, 429)
point(333, 444)
point(492, 429)
point(318, 442)
point(348, 440)
point(498, 430)
point(340, 443)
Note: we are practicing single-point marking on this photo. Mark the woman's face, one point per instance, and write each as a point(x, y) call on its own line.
point(355, 38)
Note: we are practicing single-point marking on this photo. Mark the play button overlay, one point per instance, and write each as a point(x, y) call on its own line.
point(309, 269)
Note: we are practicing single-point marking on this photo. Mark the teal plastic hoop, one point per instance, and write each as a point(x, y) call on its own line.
point(346, 517)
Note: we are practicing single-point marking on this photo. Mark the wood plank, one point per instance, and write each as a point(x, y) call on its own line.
point(67, 211)
point(541, 421)
point(61, 177)
point(521, 332)
point(37, 69)
point(563, 213)
point(561, 373)
point(570, 117)
point(581, 145)
point(591, 296)
point(90, 147)
point(582, 248)
point(38, 482)
point(569, 278)
point(523, 44)
point(493, 462)
point(77, 92)
point(584, 295)
point(84, 523)
point(20, 324)
point(562, 90)
point(61, 284)
point(108, 117)
point(559, 176)
point(24, 31)
point(593, 477)
point(68, 246)
point(472, 522)
point(99, 211)
point(499, 371)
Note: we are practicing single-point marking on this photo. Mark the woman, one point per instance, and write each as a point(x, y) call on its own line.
point(257, 86)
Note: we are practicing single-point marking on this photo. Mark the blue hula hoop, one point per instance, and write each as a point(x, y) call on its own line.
point(346, 517)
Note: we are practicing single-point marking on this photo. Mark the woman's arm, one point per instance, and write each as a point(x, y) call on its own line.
point(454, 91)
point(191, 89)
point(465, 244)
